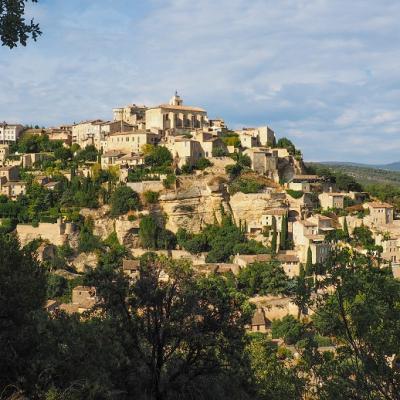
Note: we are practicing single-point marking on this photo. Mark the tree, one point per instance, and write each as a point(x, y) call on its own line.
point(14, 29)
point(159, 156)
point(22, 297)
point(203, 163)
point(361, 312)
point(346, 229)
point(148, 230)
point(284, 233)
point(274, 236)
point(181, 335)
point(288, 328)
point(123, 200)
point(274, 373)
point(309, 263)
point(263, 278)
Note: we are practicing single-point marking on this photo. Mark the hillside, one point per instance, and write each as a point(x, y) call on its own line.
point(363, 173)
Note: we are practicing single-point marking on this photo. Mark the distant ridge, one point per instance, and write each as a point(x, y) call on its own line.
point(394, 166)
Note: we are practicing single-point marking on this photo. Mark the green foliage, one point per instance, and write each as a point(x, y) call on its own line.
point(151, 197)
point(233, 170)
point(284, 240)
point(296, 194)
point(219, 152)
point(288, 328)
point(161, 324)
point(250, 247)
point(275, 375)
point(263, 278)
point(274, 239)
point(169, 181)
point(285, 143)
point(246, 185)
point(88, 242)
point(89, 153)
point(203, 163)
point(159, 156)
point(153, 234)
point(362, 236)
point(14, 29)
point(22, 297)
point(122, 200)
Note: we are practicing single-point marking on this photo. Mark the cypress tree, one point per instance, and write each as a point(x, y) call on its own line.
point(309, 266)
point(284, 233)
point(274, 236)
point(346, 229)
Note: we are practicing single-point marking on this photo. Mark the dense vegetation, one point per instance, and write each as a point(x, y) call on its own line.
point(185, 337)
point(221, 241)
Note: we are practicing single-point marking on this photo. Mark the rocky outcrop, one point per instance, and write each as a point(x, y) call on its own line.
point(84, 261)
point(250, 207)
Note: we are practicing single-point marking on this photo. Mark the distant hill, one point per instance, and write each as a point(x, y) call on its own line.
point(394, 166)
point(366, 174)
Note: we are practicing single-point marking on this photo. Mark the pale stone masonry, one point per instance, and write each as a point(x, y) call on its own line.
point(9, 133)
point(175, 115)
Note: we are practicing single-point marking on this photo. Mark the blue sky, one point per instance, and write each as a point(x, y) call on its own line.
point(325, 73)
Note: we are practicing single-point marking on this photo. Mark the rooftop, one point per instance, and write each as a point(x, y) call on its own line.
point(179, 108)
point(378, 204)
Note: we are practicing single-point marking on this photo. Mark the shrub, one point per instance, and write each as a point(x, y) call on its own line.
point(123, 200)
point(246, 185)
point(288, 328)
point(296, 194)
point(203, 163)
point(169, 181)
point(151, 197)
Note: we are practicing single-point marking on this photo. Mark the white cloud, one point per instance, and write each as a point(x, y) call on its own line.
point(327, 78)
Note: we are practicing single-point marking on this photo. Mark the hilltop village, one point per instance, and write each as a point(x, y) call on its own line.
point(168, 179)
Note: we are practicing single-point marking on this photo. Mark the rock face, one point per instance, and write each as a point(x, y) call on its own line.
point(289, 166)
point(249, 207)
point(85, 260)
point(192, 213)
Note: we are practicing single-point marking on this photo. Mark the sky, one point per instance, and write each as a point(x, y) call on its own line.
point(324, 73)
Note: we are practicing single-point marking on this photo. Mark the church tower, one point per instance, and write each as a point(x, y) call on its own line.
point(176, 100)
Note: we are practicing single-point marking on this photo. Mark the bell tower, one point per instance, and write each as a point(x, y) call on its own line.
point(176, 100)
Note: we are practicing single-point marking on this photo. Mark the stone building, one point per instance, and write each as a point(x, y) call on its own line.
point(331, 200)
point(379, 213)
point(175, 115)
point(132, 114)
point(262, 136)
point(9, 133)
point(4, 151)
point(128, 142)
point(263, 162)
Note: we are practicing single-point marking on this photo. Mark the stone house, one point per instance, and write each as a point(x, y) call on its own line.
point(253, 137)
point(379, 213)
point(131, 268)
point(132, 114)
point(128, 142)
point(330, 200)
point(259, 322)
point(13, 189)
point(10, 133)
point(11, 172)
point(263, 162)
point(306, 234)
point(4, 152)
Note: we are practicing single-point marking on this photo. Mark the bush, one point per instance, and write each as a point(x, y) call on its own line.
point(203, 163)
point(219, 152)
point(246, 185)
point(151, 197)
point(296, 194)
point(159, 156)
point(288, 328)
point(169, 181)
point(122, 200)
